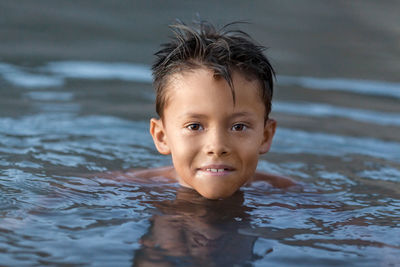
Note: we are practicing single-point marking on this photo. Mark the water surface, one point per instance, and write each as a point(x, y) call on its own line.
point(78, 122)
point(75, 101)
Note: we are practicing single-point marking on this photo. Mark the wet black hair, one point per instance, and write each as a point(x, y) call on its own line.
point(221, 50)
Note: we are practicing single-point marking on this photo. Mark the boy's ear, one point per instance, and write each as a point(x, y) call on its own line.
point(269, 131)
point(157, 131)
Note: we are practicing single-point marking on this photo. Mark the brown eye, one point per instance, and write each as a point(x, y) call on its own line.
point(239, 127)
point(195, 127)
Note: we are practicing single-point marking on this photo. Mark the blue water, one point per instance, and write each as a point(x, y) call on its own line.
point(65, 125)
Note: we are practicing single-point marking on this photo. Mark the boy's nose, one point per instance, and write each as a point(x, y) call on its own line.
point(217, 143)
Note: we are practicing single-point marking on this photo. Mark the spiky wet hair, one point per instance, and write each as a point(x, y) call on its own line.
point(221, 50)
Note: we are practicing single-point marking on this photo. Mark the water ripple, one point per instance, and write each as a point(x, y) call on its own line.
point(55, 73)
point(296, 141)
point(367, 87)
point(323, 110)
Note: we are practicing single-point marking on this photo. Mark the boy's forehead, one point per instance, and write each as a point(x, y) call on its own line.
point(205, 86)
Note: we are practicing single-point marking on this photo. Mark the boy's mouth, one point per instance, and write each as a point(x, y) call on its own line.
point(217, 169)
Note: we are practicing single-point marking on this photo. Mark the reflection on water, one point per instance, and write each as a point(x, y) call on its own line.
point(192, 230)
point(64, 125)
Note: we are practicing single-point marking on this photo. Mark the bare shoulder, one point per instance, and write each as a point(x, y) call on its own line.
point(275, 180)
point(164, 174)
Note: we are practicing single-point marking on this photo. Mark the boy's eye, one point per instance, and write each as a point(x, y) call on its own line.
point(194, 127)
point(239, 127)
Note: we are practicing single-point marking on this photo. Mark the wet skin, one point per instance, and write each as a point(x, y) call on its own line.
point(214, 142)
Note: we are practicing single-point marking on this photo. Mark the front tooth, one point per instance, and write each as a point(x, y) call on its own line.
point(220, 170)
point(214, 170)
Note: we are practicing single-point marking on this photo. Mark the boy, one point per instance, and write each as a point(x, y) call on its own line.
point(214, 91)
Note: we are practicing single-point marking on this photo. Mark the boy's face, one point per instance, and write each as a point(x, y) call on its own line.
point(214, 142)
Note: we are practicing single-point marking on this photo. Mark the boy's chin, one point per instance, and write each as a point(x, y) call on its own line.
point(214, 187)
point(216, 193)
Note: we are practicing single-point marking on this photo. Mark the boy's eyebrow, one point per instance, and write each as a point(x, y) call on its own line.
point(193, 115)
point(202, 116)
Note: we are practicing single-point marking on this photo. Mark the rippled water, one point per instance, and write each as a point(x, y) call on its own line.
point(65, 124)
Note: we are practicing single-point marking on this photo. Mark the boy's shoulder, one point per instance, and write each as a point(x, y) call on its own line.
point(142, 176)
point(160, 172)
point(274, 180)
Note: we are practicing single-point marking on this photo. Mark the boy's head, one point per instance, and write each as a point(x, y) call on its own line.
point(222, 51)
point(214, 91)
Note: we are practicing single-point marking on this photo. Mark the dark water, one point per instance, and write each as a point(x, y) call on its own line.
point(75, 99)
